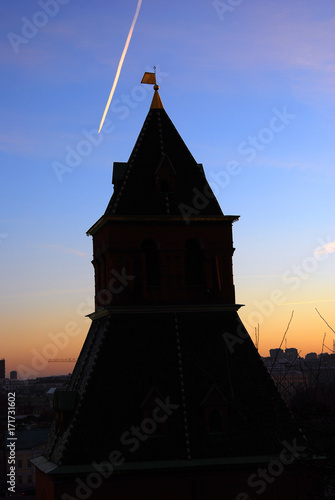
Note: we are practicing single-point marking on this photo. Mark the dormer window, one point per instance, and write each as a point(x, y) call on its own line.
point(165, 176)
point(119, 171)
point(215, 411)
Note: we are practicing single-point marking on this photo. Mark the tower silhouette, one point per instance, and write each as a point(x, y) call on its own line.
point(169, 397)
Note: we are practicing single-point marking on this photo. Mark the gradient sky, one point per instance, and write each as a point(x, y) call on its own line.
point(250, 88)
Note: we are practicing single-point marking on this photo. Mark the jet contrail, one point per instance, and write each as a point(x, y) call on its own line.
point(123, 55)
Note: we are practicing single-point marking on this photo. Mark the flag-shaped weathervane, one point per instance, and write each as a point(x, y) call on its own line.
point(150, 78)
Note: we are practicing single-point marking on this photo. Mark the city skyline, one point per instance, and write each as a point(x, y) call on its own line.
point(252, 100)
point(292, 352)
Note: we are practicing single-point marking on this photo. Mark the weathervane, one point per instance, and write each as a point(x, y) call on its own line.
point(150, 78)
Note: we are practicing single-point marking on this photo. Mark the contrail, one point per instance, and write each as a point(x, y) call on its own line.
point(123, 55)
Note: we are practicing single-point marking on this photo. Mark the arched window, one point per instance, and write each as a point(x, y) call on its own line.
point(194, 263)
point(151, 262)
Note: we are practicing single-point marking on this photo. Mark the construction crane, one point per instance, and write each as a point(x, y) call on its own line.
point(62, 360)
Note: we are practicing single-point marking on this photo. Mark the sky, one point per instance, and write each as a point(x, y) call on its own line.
point(250, 88)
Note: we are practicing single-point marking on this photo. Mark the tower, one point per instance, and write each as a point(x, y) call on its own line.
point(169, 397)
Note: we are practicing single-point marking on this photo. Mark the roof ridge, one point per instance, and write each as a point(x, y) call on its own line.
point(112, 206)
point(182, 388)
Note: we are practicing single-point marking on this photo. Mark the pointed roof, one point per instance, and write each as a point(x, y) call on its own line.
point(124, 362)
point(187, 359)
point(144, 190)
point(156, 102)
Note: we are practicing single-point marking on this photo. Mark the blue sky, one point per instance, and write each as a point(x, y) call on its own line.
point(248, 84)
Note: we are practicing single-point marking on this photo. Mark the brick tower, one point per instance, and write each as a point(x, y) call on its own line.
point(169, 398)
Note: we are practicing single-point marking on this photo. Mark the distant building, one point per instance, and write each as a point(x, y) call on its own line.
point(13, 375)
point(291, 354)
point(323, 355)
point(12, 384)
point(311, 356)
point(276, 353)
point(2, 369)
point(289, 381)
